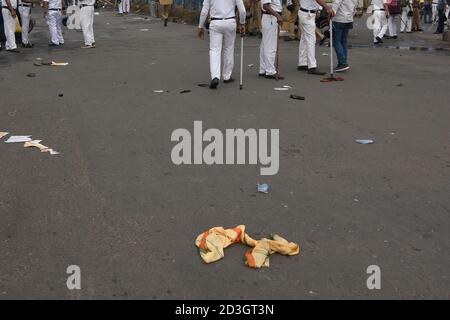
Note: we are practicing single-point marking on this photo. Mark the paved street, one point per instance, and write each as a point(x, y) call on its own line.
point(114, 204)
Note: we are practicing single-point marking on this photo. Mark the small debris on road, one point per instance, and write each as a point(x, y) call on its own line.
point(364, 141)
point(263, 188)
point(15, 139)
point(296, 97)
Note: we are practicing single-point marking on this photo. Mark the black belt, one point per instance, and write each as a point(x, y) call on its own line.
point(379, 9)
point(25, 5)
point(86, 5)
point(223, 18)
point(55, 9)
point(280, 13)
point(4, 7)
point(309, 11)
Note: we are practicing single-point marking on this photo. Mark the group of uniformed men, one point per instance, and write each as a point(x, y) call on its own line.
point(53, 13)
point(222, 30)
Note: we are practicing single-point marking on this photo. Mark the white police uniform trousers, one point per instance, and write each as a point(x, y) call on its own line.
point(87, 24)
point(307, 45)
point(124, 6)
point(9, 24)
point(222, 34)
point(405, 22)
point(25, 25)
point(268, 48)
point(54, 22)
point(381, 24)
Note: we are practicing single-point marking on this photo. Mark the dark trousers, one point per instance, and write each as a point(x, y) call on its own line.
point(340, 35)
point(441, 14)
point(427, 13)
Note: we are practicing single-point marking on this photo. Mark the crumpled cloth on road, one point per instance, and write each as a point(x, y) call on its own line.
point(211, 244)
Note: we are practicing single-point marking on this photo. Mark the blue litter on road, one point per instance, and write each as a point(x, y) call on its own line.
point(263, 187)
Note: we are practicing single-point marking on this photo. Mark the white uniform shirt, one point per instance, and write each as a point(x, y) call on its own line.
point(221, 9)
point(54, 4)
point(378, 4)
point(13, 3)
point(275, 4)
point(344, 9)
point(309, 5)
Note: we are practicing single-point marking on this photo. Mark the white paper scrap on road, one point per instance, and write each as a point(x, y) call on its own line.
point(158, 91)
point(36, 144)
point(59, 63)
point(14, 139)
point(365, 141)
point(51, 151)
point(2, 134)
point(281, 89)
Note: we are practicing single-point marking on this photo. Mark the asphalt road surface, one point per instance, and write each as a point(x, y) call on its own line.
point(114, 204)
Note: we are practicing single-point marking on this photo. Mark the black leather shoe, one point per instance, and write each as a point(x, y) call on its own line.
point(379, 40)
point(302, 68)
point(316, 71)
point(13, 50)
point(214, 83)
point(27, 45)
point(229, 80)
point(261, 74)
point(165, 22)
point(274, 76)
point(53, 45)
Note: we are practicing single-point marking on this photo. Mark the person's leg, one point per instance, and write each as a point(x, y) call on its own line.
point(409, 24)
point(302, 56)
point(25, 16)
point(128, 5)
point(383, 23)
point(91, 25)
point(84, 21)
point(120, 5)
point(229, 37)
point(393, 31)
point(292, 17)
point(9, 24)
point(262, 57)
point(376, 26)
point(307, 47)
point(434, 13)
point(345, 44)
point(215, 48)
point(59, 18)
point(270, 45)
point(440, 27)
point(165, 12)
point(403, 18)
point(390, 21)
point(51, 22)
point(337, 42)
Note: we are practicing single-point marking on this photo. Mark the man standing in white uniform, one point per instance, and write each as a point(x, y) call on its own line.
point(271, 18)
point(53, 15)
point(9, 23)
point(381, 13)
point(307, 47)
point(87, 22)
point(222, 33)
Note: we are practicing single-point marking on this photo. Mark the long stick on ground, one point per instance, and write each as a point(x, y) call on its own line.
point(242, 62)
